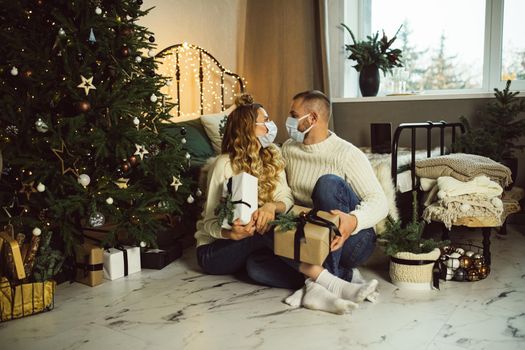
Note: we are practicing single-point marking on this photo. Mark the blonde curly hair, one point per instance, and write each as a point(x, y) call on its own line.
point(246, 154)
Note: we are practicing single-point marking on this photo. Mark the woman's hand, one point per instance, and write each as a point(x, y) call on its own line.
point(263, 216)
point(347, 225)
point(239, 231)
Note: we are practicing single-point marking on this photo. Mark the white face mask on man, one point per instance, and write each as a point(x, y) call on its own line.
point(268, 138)
point(291, 126)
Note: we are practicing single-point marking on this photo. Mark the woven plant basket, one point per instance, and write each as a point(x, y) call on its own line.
point(416, 277)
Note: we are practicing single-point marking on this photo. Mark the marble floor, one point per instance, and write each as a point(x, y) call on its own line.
point(179, 308)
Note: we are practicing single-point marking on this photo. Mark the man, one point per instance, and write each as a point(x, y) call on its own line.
point(329, 173)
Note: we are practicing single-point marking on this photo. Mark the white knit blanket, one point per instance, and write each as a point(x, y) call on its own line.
point(481, 185)
point(449, 209)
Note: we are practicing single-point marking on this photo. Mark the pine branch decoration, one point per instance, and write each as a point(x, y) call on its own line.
point(225, 209)
point(286, 221)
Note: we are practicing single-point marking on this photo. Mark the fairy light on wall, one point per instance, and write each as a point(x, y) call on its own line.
point(198, 83)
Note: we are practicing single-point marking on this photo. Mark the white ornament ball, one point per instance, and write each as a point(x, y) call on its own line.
point(188, 156)
point(98, 10)
point(460, 251)
point(136, 121)
point(40, 187)
point(138, 59)
point(143, 244)
point(168, 82)
point(84, 179)
point(183, 141)
point(476, 256)
point(109, 200)
point(41, 126)
point(452, 263)
point(14, 71)
point(469, 253)
point(61, 32)
point(190, 199)
point(151, 53)
point(37, 231)
point(450, 274)
point(153, 98)
point(198, 193)
point(455, 255)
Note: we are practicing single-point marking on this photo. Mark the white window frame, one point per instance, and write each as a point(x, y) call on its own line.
point(357, 15)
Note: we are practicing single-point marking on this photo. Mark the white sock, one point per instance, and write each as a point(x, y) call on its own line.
point(357, 277)
point(295, 299)
point(316, 297)
point(346, 290)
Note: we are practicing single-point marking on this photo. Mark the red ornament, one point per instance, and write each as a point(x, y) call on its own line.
point(84, 106)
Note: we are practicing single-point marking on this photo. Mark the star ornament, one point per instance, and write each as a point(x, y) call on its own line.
point(86, 84)
point(176, 183)
point(141, 151)
point(59, 153)
point(28, 189)
point(122, 183)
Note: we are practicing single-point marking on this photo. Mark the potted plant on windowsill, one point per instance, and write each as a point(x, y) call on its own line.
point(372, 55)
point(499, 130)
point(412, 258)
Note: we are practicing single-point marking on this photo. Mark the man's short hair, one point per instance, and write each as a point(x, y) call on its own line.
point(315, 99)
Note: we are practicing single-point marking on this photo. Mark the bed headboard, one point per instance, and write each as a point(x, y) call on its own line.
point(200, 84)
point(413, 127)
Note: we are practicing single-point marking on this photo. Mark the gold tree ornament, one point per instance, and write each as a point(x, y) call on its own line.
point(141, 151)
point(122, 183)
point(28, 189)
point(86, 84)
point(176, 183)
point(59, 153)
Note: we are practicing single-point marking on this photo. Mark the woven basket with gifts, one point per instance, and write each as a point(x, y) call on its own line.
point(26, 269)
point(463, 262)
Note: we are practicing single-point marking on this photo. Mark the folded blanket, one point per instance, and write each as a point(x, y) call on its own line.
point(449, 209)
point(481, 185)
point(463, 167)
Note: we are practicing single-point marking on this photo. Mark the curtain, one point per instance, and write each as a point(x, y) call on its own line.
point(284, 52)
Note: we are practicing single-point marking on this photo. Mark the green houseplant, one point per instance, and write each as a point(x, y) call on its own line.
point(372, 55)
point(412, 258)
point(499, 129)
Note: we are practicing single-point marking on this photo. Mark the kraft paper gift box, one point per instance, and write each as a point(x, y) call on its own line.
point(89, 264)
point(243, 188)
point(314, 246)
point(120, 262)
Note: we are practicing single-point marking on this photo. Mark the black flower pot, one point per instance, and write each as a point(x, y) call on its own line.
point(369, 80)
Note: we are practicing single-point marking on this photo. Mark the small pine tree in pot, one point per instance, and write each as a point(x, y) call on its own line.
point(412, 257)
point(500, 130)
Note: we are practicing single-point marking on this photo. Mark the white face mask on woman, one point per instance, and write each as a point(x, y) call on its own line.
point(268, 138)
point(291, 126)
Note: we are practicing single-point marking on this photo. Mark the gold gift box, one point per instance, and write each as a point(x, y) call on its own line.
point(89, 264)
point(314, 247)
point(19, 300)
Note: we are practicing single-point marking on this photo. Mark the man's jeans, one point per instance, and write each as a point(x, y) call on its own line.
point(256, 255)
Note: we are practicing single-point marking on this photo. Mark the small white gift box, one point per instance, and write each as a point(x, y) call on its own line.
point(243, 188)
point(121, 262)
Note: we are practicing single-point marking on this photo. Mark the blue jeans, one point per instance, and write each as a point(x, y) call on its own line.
point(255, 254)
point(330, 192)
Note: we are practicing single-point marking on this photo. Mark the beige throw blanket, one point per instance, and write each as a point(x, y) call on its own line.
point(463, 167)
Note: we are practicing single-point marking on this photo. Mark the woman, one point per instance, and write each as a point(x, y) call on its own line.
point(246, 147)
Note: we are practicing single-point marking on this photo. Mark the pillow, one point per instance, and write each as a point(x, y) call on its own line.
point(211, 123)
point(197, 142)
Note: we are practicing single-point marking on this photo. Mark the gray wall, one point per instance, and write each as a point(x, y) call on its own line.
point(352, 119)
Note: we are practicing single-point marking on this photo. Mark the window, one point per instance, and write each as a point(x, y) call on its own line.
point(448, 46)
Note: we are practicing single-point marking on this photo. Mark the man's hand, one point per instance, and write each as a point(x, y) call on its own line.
point(347, 225)
point(240, 231)
point(263, 216)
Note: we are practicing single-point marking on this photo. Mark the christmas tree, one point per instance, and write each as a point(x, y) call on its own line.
point(83, 123)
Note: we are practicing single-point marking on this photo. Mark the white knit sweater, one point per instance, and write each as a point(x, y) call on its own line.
point(305, 164)
point(208, 228)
